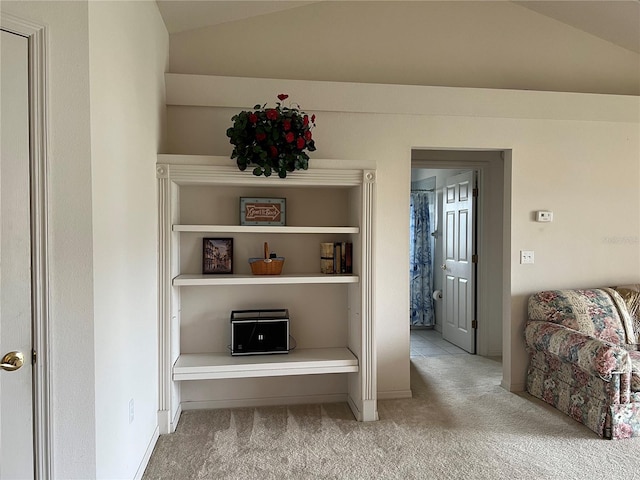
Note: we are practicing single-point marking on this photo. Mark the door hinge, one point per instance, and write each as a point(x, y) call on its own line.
point(34, 357)
point(474, 323)
point(475, 192)
point(474, 258)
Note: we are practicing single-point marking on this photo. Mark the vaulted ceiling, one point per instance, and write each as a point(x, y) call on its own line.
point(617, 21)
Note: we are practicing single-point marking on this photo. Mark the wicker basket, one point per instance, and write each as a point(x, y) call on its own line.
point(266, 265)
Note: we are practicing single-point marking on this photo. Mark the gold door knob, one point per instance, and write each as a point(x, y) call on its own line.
point(443, 266)
point(12, 361)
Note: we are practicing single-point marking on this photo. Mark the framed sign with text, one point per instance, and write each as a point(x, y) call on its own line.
point(262, 211)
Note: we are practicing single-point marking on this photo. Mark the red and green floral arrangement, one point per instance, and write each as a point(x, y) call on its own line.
point(273, 139)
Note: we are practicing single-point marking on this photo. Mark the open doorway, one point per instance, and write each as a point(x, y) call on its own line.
point(433, 170)
point(442, 254)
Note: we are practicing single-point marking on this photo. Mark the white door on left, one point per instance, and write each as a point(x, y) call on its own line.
point(16, 396)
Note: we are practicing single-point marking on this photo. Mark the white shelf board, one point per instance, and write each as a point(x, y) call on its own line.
point(211, 366)
point(262, 229)
point(288, 279)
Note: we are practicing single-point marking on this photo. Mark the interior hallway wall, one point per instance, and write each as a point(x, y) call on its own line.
point(128, 47)
point(583, 143)
point(578, 142)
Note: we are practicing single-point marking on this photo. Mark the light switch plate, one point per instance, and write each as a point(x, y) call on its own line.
point(544, 216)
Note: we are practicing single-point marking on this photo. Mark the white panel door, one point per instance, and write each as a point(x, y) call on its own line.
point(16, 411)
point(458, 267)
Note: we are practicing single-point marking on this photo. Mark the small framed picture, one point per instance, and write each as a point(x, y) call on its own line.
point(262, 211)
point(217, 255)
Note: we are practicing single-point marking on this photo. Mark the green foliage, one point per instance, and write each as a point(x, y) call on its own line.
point(272, 139)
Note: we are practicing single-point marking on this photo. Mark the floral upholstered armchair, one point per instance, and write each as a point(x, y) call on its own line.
point(584, 356)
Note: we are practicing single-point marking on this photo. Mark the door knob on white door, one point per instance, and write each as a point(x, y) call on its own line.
point(443, 266)
point(12, 361)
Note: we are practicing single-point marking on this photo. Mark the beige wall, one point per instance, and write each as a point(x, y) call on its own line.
point(577, 155)
point(128, 57)
point(466, 44)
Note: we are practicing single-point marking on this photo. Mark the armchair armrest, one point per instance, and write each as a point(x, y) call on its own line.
point(589, 353)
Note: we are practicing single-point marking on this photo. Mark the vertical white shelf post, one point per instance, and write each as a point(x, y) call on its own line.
point(164, 299)
point(369, 409)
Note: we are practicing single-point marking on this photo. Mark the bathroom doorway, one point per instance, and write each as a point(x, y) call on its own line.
point(442, 268)
point(483, 315)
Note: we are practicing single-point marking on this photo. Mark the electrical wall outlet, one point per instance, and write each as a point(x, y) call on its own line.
point(131, 411)
point(526, 256)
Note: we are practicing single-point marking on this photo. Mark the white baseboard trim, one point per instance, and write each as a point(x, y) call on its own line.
point(167, 423)
point(394, 394)
point(368, 413)
point(147, 454)
point(514, 387)
point(176, 418)
point(164, 421)
point(264, 402)
point(354, 409)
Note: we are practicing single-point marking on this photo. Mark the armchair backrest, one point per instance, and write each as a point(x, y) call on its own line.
point(599, 312)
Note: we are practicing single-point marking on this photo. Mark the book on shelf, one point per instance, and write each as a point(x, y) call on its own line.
point(336, 257)
point(326, 257)
point(349, 258)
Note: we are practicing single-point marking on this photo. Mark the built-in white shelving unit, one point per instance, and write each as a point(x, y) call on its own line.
point(200, 200)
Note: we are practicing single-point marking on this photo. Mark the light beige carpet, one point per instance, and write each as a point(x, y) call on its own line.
point(460, 424)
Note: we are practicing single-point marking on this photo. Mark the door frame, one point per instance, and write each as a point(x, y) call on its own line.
point(37, 36)
point(490, 294)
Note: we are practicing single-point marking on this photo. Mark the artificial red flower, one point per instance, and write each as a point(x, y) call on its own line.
point(272, 114)
point(274, 139)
